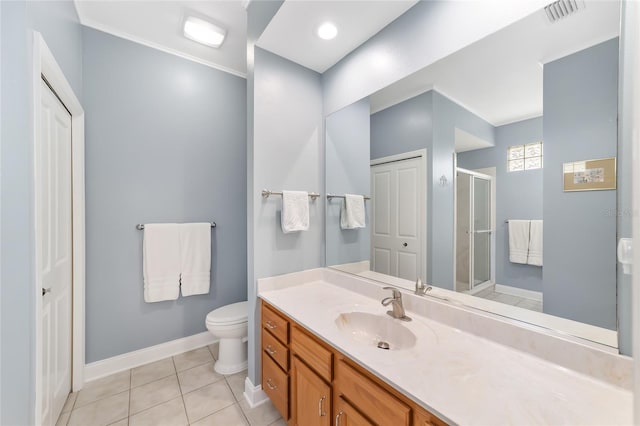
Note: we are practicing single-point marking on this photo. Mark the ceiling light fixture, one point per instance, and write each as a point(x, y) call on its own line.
point(204, 32)
point(327, 31)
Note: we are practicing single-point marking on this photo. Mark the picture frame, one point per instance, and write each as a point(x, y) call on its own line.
point(590, 175)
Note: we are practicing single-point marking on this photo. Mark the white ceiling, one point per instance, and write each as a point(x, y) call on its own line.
point(292, 32)
point(159, 24)
point(499, 77)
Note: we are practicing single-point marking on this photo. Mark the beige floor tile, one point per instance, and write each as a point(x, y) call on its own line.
point(71, 400)
point(262, 415)
point(102, 388)
point(207, 400)
point(198, 377)
point(213, 348)
point(170, 413)
point(102, 412)
point(279, 422)
point(63, 419)
point(236, 383)
point(154, 393)
point(151, 372)
point(230, 416)
point(123, 422)
point(193, 358)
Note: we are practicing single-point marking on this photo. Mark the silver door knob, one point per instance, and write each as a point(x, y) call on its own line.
point(46, 290)
point(404, 244)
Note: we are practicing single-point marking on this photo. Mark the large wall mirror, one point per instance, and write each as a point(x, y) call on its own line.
point(494, 175)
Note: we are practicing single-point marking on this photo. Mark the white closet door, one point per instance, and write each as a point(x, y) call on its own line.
point(54, 251)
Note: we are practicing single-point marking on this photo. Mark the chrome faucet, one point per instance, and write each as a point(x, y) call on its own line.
point(396, 303)
point(421, 288)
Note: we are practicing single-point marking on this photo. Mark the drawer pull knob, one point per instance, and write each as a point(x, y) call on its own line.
point(338, 418)
point(270, 385)
point(270, 325)
point(270, 350)
point(321, 412)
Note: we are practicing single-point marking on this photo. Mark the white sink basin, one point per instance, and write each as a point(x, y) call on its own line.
point(371, 329)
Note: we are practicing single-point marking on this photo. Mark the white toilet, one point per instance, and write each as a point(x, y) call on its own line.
point(229, 324)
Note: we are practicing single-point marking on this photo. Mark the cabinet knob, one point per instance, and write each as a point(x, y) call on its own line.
point(270, 350)
point(270, 385)
point(321, 412)
point(270, 325)
point(338, 418)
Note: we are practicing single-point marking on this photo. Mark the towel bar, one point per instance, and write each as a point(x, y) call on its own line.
point(140, 226)
point(330, 196)
point(266, 194)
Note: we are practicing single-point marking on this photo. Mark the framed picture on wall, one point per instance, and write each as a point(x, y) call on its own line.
point(590, 175)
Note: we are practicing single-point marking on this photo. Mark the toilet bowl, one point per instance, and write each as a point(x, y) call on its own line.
point(229, 324)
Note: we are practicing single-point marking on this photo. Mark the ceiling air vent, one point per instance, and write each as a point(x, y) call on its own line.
point(562, 8)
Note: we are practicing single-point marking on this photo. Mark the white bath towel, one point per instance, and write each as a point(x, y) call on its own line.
point(518, 240)
point(295, 211)
point(195, 255)
point(535, 243)
point(161, 262)
point(352, 213)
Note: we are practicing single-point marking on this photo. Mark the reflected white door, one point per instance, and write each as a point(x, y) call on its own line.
point(53, 250)
point(396, 247)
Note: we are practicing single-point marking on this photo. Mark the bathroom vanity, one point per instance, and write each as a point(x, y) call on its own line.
point(450, 365)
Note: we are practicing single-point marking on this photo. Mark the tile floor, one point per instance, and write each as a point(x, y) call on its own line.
point(177, 391)
point(521, 302)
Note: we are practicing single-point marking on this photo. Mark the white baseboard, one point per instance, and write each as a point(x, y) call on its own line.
point(254, 394)
point(520, 292)
point(105, 367)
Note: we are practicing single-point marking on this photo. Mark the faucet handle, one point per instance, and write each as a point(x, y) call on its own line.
point(394, 292)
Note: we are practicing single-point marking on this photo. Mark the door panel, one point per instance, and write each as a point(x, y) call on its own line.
point(54, 251)
point(313, 397)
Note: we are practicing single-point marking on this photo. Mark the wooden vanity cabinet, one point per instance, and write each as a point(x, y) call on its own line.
point(313, 384)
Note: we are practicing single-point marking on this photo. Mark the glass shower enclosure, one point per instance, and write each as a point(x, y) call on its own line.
point(473, 230)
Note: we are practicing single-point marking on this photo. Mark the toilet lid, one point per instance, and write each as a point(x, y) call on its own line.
point(233, 313)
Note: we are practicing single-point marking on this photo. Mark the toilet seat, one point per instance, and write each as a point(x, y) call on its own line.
point(235, 313)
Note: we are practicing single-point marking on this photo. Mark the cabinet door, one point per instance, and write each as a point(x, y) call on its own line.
point(346, 415)
point(311, 397)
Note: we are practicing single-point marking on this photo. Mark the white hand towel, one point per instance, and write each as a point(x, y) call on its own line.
point(161, 262)
point(295, 211)
point(352, 214)
point(535, 243)
point(195, 254)
point(518, 240)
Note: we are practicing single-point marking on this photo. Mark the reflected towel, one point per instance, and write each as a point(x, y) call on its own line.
point(295, 211)
point(352, 213)
point(195, 258)
point(161, 262)
point(518, 240)
point(535, 243)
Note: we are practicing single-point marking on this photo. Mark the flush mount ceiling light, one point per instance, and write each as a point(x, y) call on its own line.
point(204, 32)
point(327, 31)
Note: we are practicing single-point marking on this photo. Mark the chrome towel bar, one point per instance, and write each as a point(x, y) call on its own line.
point(330, 196)
point(140, 226)
point(266, 194)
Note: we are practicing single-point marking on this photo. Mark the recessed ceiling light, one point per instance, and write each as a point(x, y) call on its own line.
point(327, 31)
point(204, 32)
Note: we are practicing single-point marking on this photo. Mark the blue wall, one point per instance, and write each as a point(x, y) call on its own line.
point(580, 123)
point(347, 139)
point(518, 196)
point(165, 142)
point(429, 121)
point(58, 23)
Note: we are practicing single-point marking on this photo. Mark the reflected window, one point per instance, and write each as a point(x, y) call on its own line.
point(524, 157)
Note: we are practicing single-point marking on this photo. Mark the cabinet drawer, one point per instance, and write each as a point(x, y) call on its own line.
point(368, 397)
point(424, 418)
point(275, 349)
point(275, 384)
point(275, 324)
point(313, 353)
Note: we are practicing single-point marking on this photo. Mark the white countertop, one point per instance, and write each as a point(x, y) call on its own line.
point(462, 378)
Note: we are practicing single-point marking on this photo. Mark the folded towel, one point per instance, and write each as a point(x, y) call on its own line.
point(352, 212)
point(161, 262)
point(518, 240)
point(295, 211)
point(535, 243)
point(195, 258)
